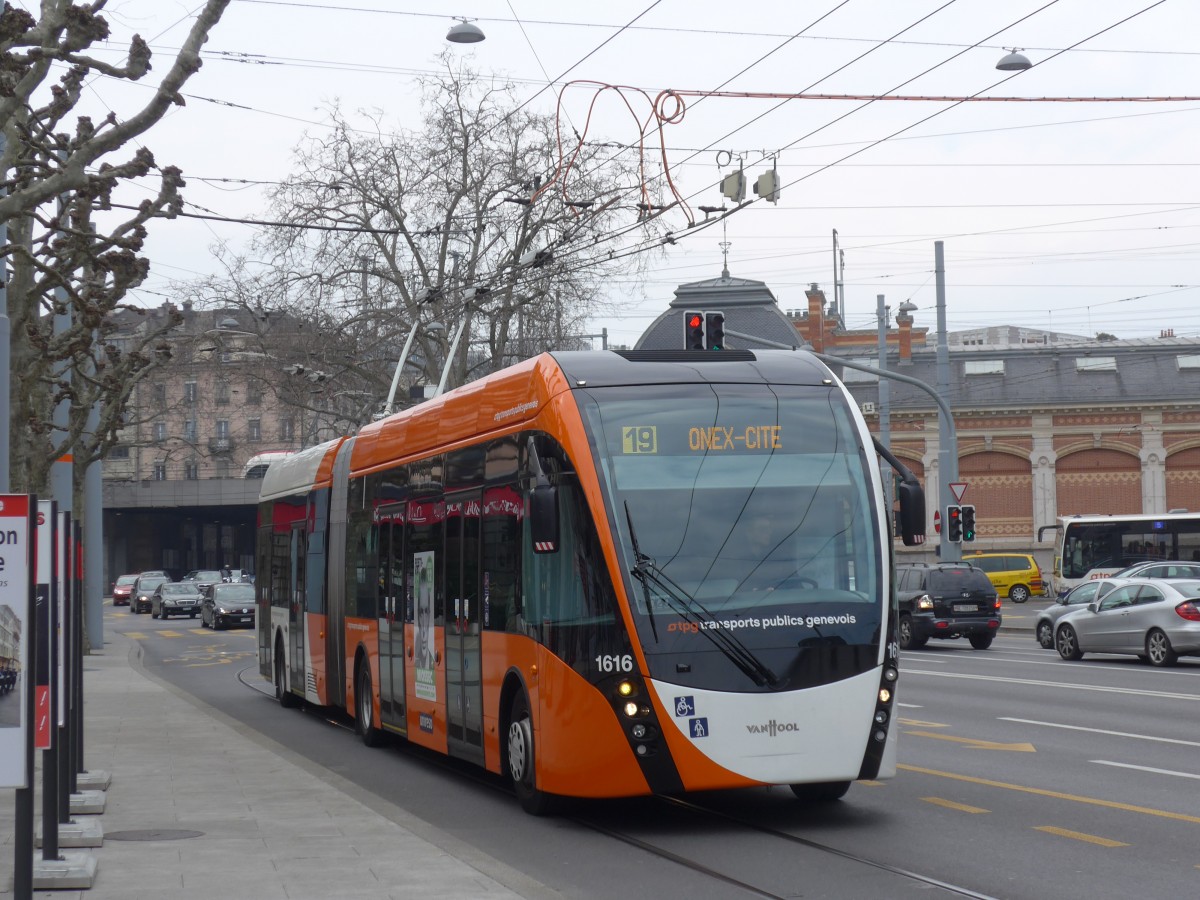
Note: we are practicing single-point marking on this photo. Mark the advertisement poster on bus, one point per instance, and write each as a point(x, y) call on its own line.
point(15, 629)
point(425, 652)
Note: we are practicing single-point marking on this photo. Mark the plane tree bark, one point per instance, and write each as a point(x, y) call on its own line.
point(72, 256)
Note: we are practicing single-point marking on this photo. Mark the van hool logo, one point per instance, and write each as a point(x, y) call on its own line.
point(772, 728)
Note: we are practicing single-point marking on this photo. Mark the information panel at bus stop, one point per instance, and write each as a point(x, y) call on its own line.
point(16, 627)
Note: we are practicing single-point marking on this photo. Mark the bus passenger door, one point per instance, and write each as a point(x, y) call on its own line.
point(391, 624)
point(464, 686)
point(297, 607)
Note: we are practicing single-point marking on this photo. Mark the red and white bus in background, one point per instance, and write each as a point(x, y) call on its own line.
point(1096, 546)
point(601, 574)
point(257, 465)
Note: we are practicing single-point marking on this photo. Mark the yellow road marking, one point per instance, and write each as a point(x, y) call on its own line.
point(870, 783)
point(1057, 795)
point(973, 743)
point(168, 633)
point(136, 635)
point(950, 804)
point(1080, 836)
point(918, 723)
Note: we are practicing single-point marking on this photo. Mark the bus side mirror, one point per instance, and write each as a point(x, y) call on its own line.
point(543, 504)
point(912, 512)
point(543, 518)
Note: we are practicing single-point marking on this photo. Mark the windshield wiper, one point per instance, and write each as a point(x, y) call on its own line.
point(692, 611)
point(638, 562)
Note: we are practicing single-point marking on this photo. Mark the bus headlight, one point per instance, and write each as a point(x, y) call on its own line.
point(631, 709)
point(885, 696)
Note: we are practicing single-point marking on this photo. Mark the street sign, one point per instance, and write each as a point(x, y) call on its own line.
point(958, 488)
point(937, 521)
point(16, 639)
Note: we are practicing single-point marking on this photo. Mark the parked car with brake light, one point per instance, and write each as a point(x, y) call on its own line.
point(1157, 620)
point(227, 604)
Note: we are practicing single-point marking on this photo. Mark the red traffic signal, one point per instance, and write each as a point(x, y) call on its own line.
point(954, 524)
point(693, 330)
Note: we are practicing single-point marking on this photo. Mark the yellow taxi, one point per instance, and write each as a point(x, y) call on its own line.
point(1013, 575)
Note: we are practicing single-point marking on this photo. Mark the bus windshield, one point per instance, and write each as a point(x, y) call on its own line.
point(1102, 545)
point(750, 506)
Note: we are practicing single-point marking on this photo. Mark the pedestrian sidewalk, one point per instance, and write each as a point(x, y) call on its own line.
point(268, 825)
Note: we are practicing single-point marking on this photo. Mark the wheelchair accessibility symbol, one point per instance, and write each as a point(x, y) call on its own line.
point(685, 706)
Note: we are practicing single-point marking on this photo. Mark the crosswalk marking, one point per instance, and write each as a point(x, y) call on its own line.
point(170, 634)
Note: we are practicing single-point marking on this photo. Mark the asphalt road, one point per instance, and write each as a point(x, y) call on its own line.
point(1022, 776)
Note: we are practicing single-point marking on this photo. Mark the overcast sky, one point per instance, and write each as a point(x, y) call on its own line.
point(1060, 214)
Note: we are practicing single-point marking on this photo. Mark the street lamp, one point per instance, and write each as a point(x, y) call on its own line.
point(464, 33)
point(1014, 61)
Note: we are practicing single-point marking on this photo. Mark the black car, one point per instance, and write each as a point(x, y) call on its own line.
point(227, 604)
point(141, 599)
point(946, 600)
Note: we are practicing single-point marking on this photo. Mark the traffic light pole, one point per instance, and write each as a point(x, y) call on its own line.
point(947, 441)
point(949, 552)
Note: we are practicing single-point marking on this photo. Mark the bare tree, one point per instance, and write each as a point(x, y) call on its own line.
point(393, 231)
point(69, 272)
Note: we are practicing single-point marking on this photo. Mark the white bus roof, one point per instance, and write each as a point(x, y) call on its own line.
point(1096, 518)
point(295, 473)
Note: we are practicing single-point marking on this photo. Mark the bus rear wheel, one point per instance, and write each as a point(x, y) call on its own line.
point(285, 697)
point(521, 761)
point(824, 792)
point(364, 719)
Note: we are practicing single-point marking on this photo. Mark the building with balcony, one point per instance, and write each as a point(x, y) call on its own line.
point(236, 385)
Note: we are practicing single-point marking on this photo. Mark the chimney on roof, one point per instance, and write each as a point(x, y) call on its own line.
point(904, 320)
point(1167, 333)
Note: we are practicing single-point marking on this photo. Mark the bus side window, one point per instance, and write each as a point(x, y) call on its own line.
point(501, 562)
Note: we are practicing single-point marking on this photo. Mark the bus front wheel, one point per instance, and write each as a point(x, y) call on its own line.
point(521, 761)
point(363, 720)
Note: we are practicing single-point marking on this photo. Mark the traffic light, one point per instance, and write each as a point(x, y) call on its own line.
point(714, 331)
point(968, 523)
point(693, 330)
point(954, 524)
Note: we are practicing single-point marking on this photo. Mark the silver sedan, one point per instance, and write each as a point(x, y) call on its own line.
point(1156, 620)
point(1078, 596)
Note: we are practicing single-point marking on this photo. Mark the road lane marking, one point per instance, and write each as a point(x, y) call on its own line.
point(975, 743)
point(950, 804)
point(1080, 836)
point(1137, 692)
point(1056, 795)
point(166, 632)
point(136, 635)
point(920, 724)
point(1124, 734)
point(1105, 762)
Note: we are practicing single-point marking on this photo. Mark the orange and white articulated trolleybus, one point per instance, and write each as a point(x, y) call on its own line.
point(601, 574)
